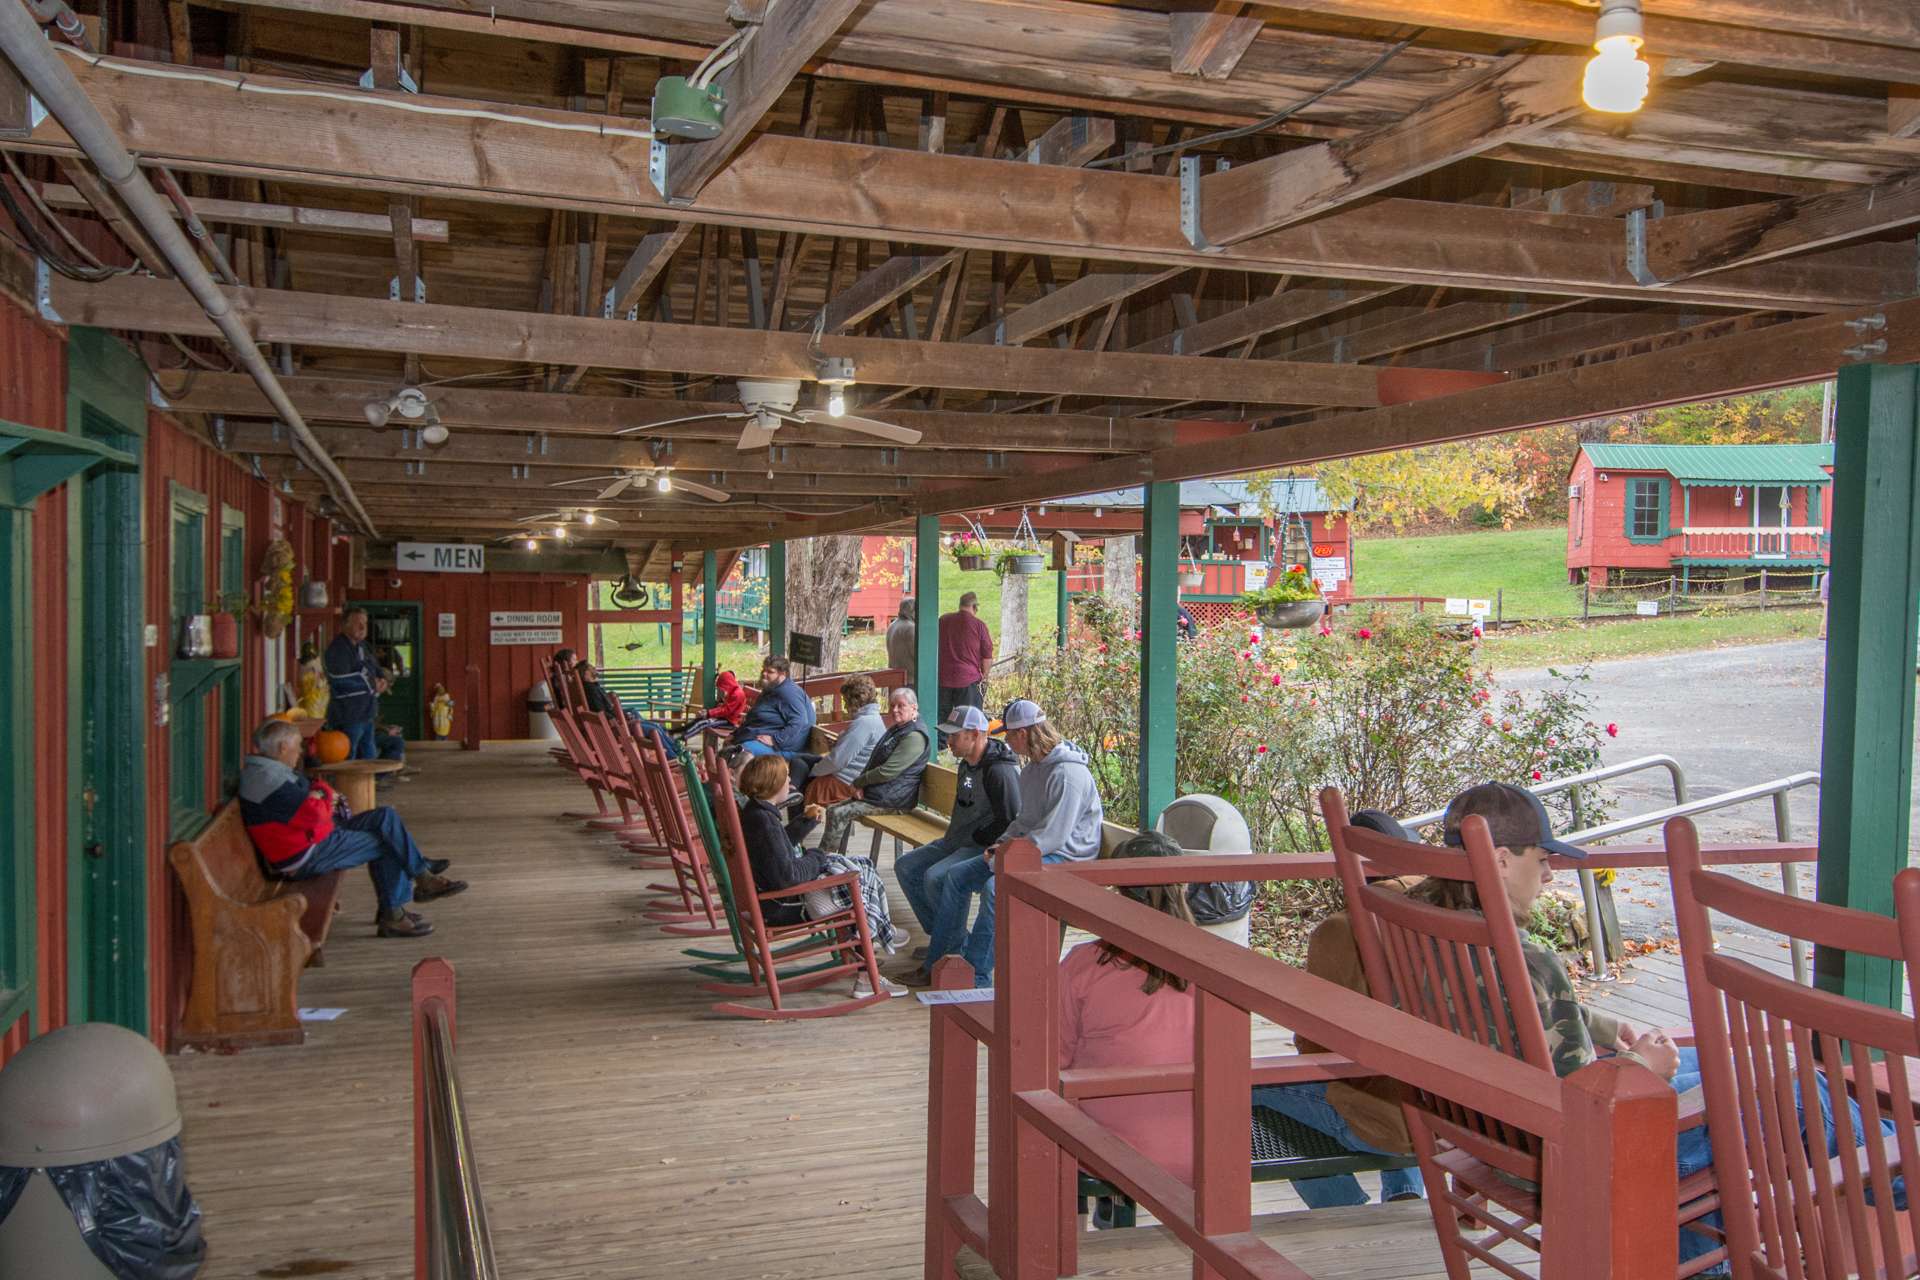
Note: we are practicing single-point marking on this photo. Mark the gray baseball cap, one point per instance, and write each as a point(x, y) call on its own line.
point(1513, 814)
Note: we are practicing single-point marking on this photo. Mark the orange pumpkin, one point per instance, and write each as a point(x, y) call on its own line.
point(331, 746)
point(287, 716)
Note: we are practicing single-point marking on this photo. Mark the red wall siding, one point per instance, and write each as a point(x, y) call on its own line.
point(33, 394)
point(1580, 516)
point(506, 671)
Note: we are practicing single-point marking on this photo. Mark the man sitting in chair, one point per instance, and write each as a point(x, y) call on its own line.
point(780, 721)
point(292, 821)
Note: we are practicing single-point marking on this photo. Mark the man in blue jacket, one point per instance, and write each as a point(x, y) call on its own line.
point(781, 719)
point(356, 681)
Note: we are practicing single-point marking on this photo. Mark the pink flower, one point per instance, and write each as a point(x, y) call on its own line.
point(1486, 720)
point(1245, 698)
point(1536, 775)
point(1246, 655)
point(1103, 648)
point(1506, 726)
point(1613, 731)
point(1553, 742)
point(1276, 678)
point(1260, 750)
point(1365, 634)
point(1253, 637)
point(1138, 633)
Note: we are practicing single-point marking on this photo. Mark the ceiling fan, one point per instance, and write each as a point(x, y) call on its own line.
point(768, 403)
point(657, 478)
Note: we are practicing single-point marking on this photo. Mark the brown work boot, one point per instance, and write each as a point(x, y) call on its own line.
point(399, 923)
point(428, 887)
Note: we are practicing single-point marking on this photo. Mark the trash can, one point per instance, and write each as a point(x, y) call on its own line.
point(539, 723)
point(92, 1183)
point(1208, 824)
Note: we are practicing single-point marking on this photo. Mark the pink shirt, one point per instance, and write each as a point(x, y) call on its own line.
point(1107, 1021)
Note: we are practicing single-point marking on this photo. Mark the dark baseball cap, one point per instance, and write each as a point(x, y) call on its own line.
point(1513, 814)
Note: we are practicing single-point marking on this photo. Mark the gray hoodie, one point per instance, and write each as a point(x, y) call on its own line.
point(854, 745)
point(1059, 805)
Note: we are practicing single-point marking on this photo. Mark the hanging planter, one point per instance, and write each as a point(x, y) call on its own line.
point(1191, 577)
point(969, 551)
point(1292, 614)
point(1293, 600)
point(1025, 556)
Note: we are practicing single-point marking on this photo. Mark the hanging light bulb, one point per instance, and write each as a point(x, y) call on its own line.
point(663, 482)
point(588, 517)
point(1617, 77)
point(533, 544)
point(836, 402)
point(560, 531)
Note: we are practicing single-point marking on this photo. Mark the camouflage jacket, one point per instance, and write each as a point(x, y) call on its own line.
point(1574, 1031)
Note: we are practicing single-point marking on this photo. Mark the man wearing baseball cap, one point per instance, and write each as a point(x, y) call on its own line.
point(986, 799)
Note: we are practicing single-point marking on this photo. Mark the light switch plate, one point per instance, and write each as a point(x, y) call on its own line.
point(153, 634)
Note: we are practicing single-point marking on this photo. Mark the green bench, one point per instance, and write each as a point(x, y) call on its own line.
point(653, 693)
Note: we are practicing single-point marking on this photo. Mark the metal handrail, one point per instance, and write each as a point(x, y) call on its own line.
point(1574, 781)
point(1778, 788)
point(451, 1237)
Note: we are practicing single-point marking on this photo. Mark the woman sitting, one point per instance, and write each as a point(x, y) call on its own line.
point(779, 862)
point(1119, 1011)
point(830, 780)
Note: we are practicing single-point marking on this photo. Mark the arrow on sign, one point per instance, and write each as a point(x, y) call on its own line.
point(414, 555)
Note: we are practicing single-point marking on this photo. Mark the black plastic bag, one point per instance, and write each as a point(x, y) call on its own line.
point(134, 1211)
point(1220, 902)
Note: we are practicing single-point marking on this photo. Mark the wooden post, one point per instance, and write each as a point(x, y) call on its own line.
point(926, 615)
point(1586, 596)
point(470, 741)
point(1866, 757)
point(1023, 1192)
point(1222, 1139)
point(953, 1086)
point(777, 599)
point(677, 586)
point(1609, 1186)
point(1763, 588)
point(709, 623)
point(1159, 625)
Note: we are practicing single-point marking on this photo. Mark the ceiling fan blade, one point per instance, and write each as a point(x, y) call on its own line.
point(542, 518)
point(615, 489)
point(757, 434)
point(561, 484)
point(674, 422)
point(866, 426)
point(706, 491)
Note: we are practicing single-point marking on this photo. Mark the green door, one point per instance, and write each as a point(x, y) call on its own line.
point(107, 868)
point(393, 633)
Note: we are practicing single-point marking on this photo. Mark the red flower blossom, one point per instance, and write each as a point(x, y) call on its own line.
point(1276, 678)
point(1365, 634)
point(1613, 731)
point(1506, 726)
point(1253, 637)
point(1103, 648)
point(1486, 720)
point(1246, 655)
point(1260, 750)
point(1245, 698)
point(1536, 775)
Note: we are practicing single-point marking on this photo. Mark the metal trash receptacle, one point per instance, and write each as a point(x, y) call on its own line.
point(539, 718)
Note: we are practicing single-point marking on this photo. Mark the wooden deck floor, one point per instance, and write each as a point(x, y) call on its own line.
point(624, 1132)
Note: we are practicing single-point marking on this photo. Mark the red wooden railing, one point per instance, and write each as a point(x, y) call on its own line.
point(1609, 1202)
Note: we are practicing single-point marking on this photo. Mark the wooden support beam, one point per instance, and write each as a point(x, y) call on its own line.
point(1426, 328)
point(1072, 142)
point(768, 62)
point(1207, 38)
point(1595, 197)
point(1687, 244)
point(933, 124)
point(1903, 110)
point(1259, 319)
point(1526, 94)
point(247, 213)
point(875, 291)
point(1063, 306)
point(644, 266)
point(832, 188)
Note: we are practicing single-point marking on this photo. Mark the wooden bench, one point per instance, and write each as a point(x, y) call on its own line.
point(929, 822)
point(251, 937)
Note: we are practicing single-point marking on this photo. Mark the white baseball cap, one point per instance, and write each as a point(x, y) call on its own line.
point(965, 719)
point(1022, 713)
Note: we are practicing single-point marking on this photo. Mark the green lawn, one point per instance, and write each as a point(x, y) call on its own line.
point(1527, 568)
point(1570, 642)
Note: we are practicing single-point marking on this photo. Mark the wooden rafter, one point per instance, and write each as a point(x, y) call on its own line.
point(1207, 38)
point(878, 289)
point(1062, 306)
point(1686, 245)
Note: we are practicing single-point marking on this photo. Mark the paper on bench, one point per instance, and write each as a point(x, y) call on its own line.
point(965, 995)
point(320, 1015)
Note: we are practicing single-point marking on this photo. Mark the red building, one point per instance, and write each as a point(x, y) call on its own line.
point(1701, 512)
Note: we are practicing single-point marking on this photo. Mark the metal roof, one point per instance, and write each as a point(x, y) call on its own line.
point(1719, 463)
point(1291, 494)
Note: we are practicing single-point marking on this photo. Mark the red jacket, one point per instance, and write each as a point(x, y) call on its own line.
point(285, 814)
point(733, 700)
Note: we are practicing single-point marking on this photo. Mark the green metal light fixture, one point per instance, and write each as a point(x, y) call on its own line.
point(684, 110)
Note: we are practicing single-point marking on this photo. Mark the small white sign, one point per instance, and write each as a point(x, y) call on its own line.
point(446, 624)
point(1456, 606)
point(1479, 608)
point(1329, 572)
point(1648, 608)
point(1256, 576)
point(526, 635)
point(534, 618)
point(440, 557)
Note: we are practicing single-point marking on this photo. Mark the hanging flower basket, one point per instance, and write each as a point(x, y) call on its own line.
point(1024, 562)
point(1297, 613)
point(1291, 600)
point(971, 564)
point(969, 551)
point(1191, 579)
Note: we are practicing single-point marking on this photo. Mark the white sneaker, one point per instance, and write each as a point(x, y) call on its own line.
point(887, 985)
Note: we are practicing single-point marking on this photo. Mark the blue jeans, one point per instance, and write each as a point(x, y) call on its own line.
point(1308, 1104)
point(963, 881)
point(377, 840)
point(360, 743)
point(389, 746)
point(923, 878)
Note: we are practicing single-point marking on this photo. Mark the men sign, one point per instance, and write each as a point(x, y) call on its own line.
point(440, 557)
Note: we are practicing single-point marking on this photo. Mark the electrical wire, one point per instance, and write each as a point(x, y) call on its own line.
point(39, 246)
point(197, 358)
point(361, 98)
point(1261, 126)
point(33, 196)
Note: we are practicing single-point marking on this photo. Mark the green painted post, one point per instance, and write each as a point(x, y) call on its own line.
point(1866, 756)
point(1159, 623)
point(1060, 611)
point(777, 599)
point(926, 615)
point(709, 623)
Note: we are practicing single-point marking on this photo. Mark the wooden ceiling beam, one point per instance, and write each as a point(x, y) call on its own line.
point(1523, 96)
point(1072, 141)
point(1207, 38)
point(834, 188)
point(769, 58)
point(428, 329)
point(1259, 319)
point(1088, 294)
point(281, 217)
point(491, 480)
point(1686, 245)
point(1903, 110)
point(878, 289)
point(1426, 328)
point(1594, 197)
point(337, 399)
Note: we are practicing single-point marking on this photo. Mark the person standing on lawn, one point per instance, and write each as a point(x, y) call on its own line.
point(903, 637)
point(966, 651)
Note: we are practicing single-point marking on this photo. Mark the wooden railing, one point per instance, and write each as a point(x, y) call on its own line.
point(1608, 1130)
point(1744, 542)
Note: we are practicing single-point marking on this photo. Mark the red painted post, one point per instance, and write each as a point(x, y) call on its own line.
point(678, 582)
point(1609, 1185)
point(1222, 1138)
point(1024, 1165)
point(471, 740)
point(433, 983)
point(953, 1085)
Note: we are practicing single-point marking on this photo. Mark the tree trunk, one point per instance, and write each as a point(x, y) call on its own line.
point(1013, 615)
point(821, 576)
point(1118, 578)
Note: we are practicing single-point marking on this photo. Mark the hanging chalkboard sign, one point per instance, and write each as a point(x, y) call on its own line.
point(803, 648)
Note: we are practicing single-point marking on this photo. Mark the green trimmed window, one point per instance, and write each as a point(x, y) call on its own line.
point(187, 557)
point(1647, 509)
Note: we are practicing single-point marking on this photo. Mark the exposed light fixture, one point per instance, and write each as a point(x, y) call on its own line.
point(560, 531)
point(408, 402)
point(836, 374)
point(434, 433)
point(1617, 77)
point(533, 544)
point(663, 482)
point(836, 403)
point(587, 517)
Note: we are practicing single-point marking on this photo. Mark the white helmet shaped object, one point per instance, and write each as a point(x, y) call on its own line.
point(1208, 824)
